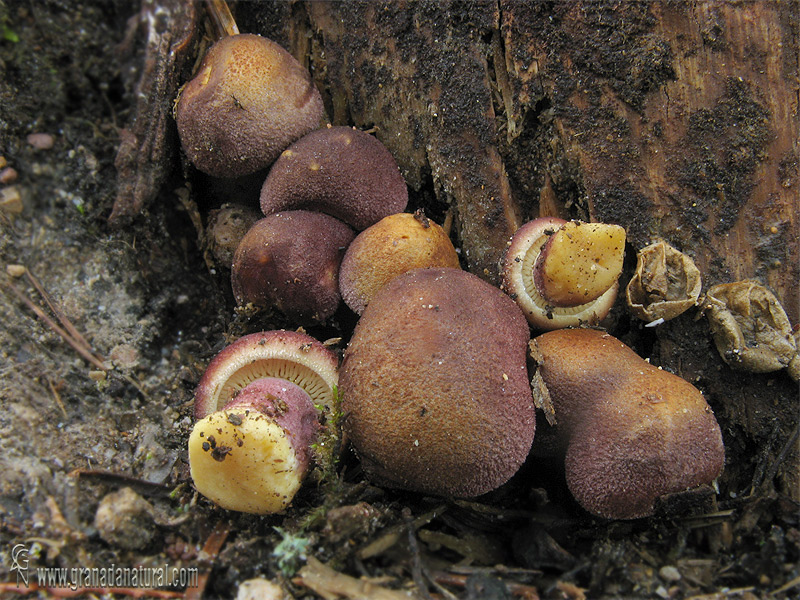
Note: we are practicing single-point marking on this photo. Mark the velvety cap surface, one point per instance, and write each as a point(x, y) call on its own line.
point(340, 171)
point(248, 102)
point(434, 385)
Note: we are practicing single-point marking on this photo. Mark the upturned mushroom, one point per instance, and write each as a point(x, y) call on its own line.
point(296, 357)
point(290, 260)
point(253, 455)
point(564, 274)
point(339, 171)
point(249, 101)
point(434, 385)
point(259, 407)
point(390, 247)
point(630, 431)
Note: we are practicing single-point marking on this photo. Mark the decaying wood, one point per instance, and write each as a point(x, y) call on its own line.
point(674, 120)
point(146, 151)
point(681, 121)
point(419, 75)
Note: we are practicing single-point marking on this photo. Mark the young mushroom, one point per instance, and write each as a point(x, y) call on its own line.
point(253, 455)
point(434, 385)
point(339, 171)
point(291, 260)
point(249, 100)
point(390, 247)
point(226, 227)
point(564, 274)
point(631, 431)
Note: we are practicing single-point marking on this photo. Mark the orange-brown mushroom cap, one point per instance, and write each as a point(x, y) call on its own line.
point(434, 385)
point(249, 101)
point(290, 355)
point(340, 171)
point(632, 432)
point(390, 247)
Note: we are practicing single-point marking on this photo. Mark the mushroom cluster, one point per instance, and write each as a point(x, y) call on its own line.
point(434, 380)
point(260, 403)
point(322, 185)
point(252, 106)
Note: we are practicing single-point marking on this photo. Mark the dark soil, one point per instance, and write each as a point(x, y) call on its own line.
point(150, 301)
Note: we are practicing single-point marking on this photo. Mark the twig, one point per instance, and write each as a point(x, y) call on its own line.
point(416, 560)
point(786, 587)
point(787, 447)
point(211, 549)
point(393, 534)
point(85, 354)
point(68, 332)
point(222, 18)
point(62, 318)
point(57, 397)
point(520, 590)
point(330, 584)
point(142, 486)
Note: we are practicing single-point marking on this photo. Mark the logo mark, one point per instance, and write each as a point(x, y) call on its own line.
point(19, 563)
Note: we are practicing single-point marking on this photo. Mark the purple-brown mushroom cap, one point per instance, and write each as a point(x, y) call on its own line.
point(248, 102)
point(631, 432)
point(339, 171)
point(290, 355)
point(434, 385)
point(290, 260)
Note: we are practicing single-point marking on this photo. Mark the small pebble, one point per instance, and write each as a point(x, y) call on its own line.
point(669, 573)
point(41, 141)
point(10, 200)
point(8, 175)
point(259, 589)
point(124, 356)
point(125, 519)
point(662, 592)
point(15, 271)
point(97, 375)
